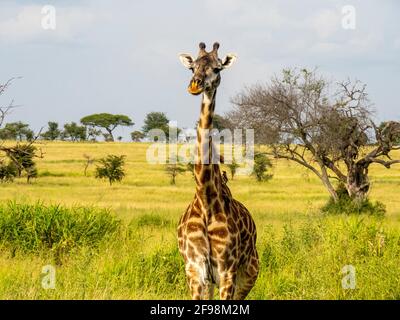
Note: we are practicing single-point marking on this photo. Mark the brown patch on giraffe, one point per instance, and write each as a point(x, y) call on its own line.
point(218, 208)
point(205, 176)
point(220, 217)
point(197, 168)
point(217, 243)
point(195, 226)
point(198, 241)
point(221, 232)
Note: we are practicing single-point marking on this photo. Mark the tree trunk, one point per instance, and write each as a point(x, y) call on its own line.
point(358, 182)
point(111, 135)
point(325, 180)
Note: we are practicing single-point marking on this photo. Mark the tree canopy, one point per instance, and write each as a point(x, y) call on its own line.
point(53, 131)
point(107, 121)
point(16, 131)
point(74, 132)
point(156, 120)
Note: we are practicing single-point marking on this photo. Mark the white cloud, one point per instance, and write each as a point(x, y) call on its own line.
point(26, 24)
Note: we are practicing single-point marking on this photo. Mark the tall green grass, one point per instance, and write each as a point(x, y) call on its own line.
point(56, 229)
point(139, 259)
point(306, 262)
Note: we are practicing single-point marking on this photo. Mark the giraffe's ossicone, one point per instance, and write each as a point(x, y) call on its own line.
point(216, 234)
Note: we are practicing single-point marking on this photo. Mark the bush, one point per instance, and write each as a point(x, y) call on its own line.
point(8, 172)
point(346, 205)
point(233, 166)
point(173, 169)
point(38, 228)
point(111, 168)
point(261, 165)
point(22, 156)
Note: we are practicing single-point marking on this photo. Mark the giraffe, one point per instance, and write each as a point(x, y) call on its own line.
point(216, 234)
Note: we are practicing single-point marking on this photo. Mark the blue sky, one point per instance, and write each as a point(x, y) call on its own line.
point(122, 56)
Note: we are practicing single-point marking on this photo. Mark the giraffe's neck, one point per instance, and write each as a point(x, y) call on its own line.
point(206, 169)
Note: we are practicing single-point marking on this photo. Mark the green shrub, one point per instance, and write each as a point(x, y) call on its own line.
point(346, 205)
point(261, 166)
point(111, 168)
point(8, 171)
point(38, 228)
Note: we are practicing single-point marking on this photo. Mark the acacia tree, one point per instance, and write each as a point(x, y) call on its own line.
point(173, 169)
point(111, 168)
point(107, 122)
point(16, 131)
point(73, 132)
point(137, 136)
point(53, 131)
point(331, 134)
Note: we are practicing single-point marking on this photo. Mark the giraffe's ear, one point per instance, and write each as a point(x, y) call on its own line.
point(186, 59)
point(228, 60)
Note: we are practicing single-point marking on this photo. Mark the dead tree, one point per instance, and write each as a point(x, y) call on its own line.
point(332, 134)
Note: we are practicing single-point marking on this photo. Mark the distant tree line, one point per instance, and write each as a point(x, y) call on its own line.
point(95, 126)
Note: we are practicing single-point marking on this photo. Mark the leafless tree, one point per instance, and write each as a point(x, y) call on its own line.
point(89, 160)
point(330, 133)
point(5, 110)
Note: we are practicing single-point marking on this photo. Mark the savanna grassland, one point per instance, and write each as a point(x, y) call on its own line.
point(119, 242)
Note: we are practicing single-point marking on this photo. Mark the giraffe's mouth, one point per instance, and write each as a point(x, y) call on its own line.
point(195, 87)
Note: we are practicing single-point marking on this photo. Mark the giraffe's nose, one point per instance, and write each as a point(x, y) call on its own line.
point(195, 86)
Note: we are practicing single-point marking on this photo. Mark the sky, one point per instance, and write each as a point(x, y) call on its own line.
point(121, 56)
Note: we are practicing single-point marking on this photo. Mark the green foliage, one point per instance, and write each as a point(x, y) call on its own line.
point(233, 166)
point(8, 171)
point(16, 131)
point(173, 169)
point(137, 136)
point(22, 156)
point(107, 121)
point(74, 132)
point(111, 168)
point(261, 165)
point(38, 228)
point(93, 133)
point(53, 132)
point(346, 205)
point(156, 120)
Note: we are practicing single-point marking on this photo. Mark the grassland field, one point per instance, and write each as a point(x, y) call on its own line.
point(302, 252)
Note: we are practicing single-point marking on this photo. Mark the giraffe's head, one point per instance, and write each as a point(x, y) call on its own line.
point(206, 68)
